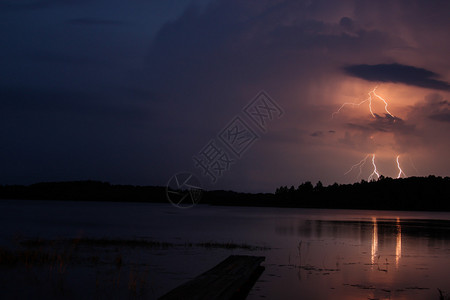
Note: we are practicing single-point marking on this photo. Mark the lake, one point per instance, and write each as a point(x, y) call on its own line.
point(310, 253)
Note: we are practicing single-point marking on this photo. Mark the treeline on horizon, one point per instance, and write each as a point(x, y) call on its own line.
point(412, 193)
point(430, 193)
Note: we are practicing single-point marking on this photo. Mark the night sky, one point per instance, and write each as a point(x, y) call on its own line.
point(131, 92)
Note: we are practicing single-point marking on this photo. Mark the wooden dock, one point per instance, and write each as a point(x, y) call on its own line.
point(231, 279)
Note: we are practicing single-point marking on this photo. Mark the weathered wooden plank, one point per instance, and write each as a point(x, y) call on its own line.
point(230, 279)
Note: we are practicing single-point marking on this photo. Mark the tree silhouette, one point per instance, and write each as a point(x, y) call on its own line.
point(412, 193)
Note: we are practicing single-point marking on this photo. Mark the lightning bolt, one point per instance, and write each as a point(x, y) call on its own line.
point(400, 171)
point(371, 97)
point(353, 105)
point(360, 164)
point(375, 171)
point(384, 101)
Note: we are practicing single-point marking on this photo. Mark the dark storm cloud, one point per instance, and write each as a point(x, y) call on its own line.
point(442, 117)
point(358, 127)
point(434, 107)
point(62, 58)
point(53, 101)
point(438, 109)
point(232, 42)
point(386, 123)
point(92, 21)
point(317, 134)
point(35, 4)
point(320, 133)
point(347, 23)
point(177, 76)
point(398, 73)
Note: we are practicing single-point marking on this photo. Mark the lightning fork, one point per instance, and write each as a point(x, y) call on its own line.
point(384, 101)
point(353, 105)
point(375, 171)
point(360, 164)
point(400, 171)
point(372, 94)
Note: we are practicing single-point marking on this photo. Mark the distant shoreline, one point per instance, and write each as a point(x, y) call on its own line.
point(430, 193)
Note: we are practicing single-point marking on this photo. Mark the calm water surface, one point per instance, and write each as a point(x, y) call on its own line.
point(313, 254)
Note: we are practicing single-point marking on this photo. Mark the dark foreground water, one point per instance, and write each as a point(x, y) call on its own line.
point(310, 253)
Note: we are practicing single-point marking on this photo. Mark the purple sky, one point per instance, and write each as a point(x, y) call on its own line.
point(130, 91)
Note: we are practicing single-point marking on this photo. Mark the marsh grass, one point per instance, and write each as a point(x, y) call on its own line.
point(230, 246)
point(302, 265)
point(106, 242)
point(32, 257)
point(112, 263)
